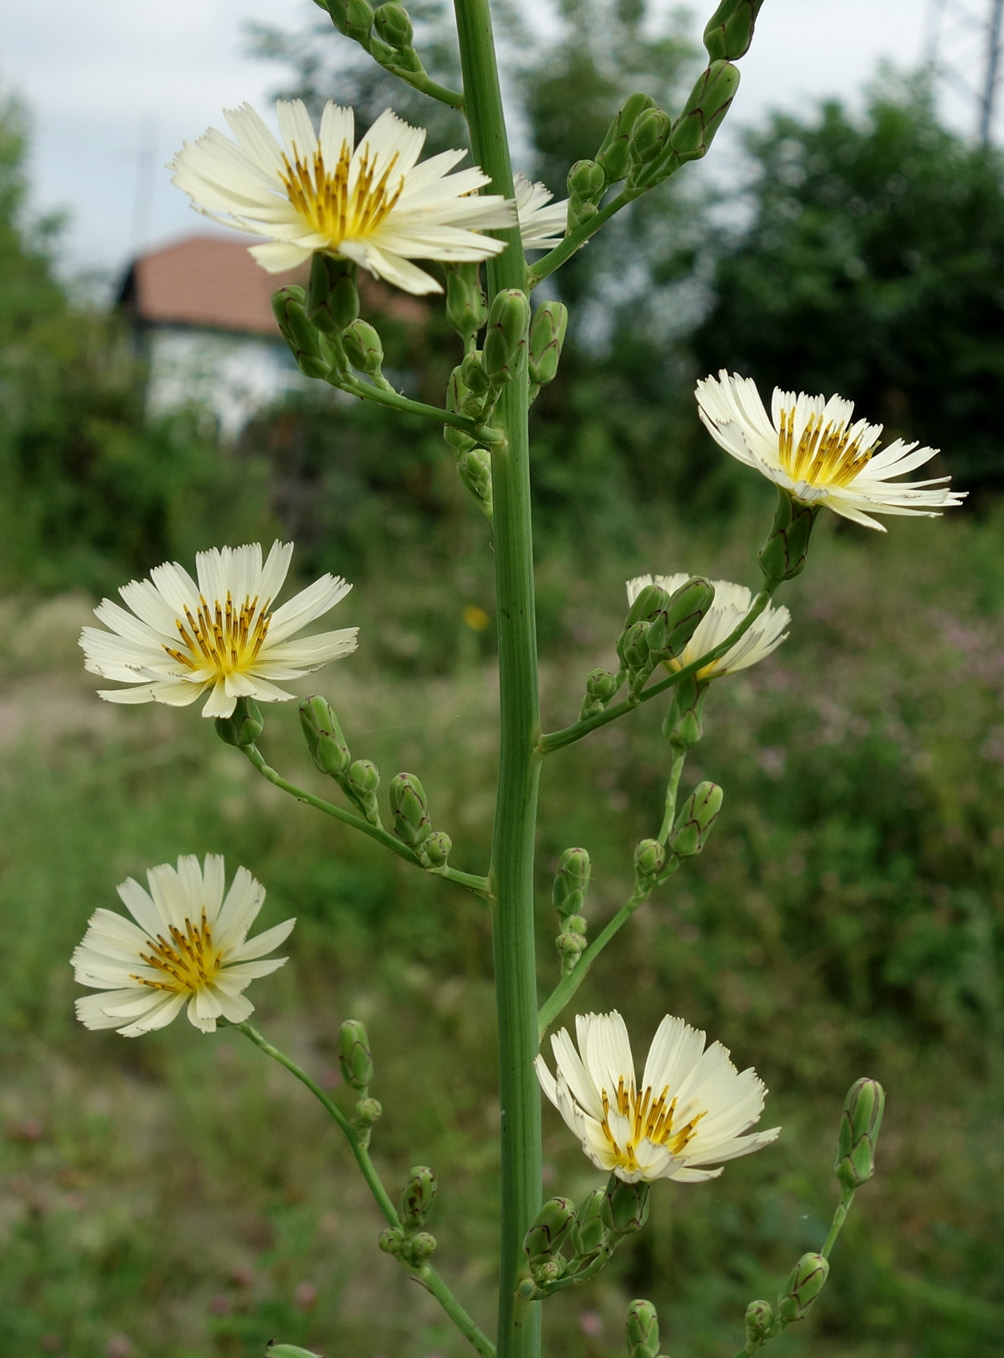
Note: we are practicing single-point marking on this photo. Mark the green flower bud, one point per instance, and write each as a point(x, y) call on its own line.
point(648, 137)
point(586, 181)
point(708, 104)
point(466, 309)
point(632, 647)
point(625, 1206)
point(274, 1350)
point(410, 809)
point(314, 356)
point(601, 685)
point(475, 468)
point(393, 25)
point(651, 599)
point(549, 1232)
point(786, 547)
point(613, 156)
point(421, 1248)
point(684, 614)
point(244, 725)
point(805, 1282)
point(324, 737)
point(693, 824)
point(642, 1330)
point(759, 1322)
point(332, 296)
point(473, 375)
point(684, 724)
point(505, 338)
point(436, 850)
point(361, 783)
point(571, 881)
point(367, 1112)
point(363, 347)
point(729, 31)
point(649, 858)
point(354, 1055)
point(589, 1234)
point(354, 18)
point(417, 1197)
point(859, 1128)
point(547, 335)
point(391, 1239)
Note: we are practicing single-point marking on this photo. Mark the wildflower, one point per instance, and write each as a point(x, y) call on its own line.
point(810, 448)
point(728, 608)
point(689, 1110)
point(188, 945)
point(183, 638)
point(541, 222)
point(372, 203)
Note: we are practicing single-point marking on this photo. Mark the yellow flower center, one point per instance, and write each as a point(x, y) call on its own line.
point(327, 203)
point(188, 960)
point(824, 454)
point(222, 636)
point(649, 1119)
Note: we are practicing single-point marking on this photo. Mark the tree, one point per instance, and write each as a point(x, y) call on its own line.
point(871, 263)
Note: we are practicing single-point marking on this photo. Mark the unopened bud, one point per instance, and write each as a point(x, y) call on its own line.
point(729, 31)
point(759, 1322)
point(466, 310)
point(363, 347)
point(650, 600)
point(786, 547)
point(354, 1055)
point(324, 737)
point(684, 613)
point(694, 823)
point(244, 725)
point(589, 1233)
point(684, 724)
point(633, 649)
point(859, 1128)
point(571, 881)
point(805, 1282)
point(505, 338)
point(410, 809)
point(550, 1230)
point(586, 181)
point(332, 296)
point(547, 335)
point(475, 468)
point(436, 850)
point(417, 1197)
point(421, 1247)
point(642, 1330)
point(354, 18)
point(649, 858)
point(648, 136)
point(361, 783)
point(473, 375)
point(367, 1112)
point(708, 104)
point(314, 355)
point(625, 1207)
point(393, 25)
point(391, 1239)
point(613, 156)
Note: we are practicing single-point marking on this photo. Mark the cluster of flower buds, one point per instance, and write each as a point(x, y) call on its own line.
point(693, 824)
point(385, 32)
point(547, 335)
point(659, 625)
point(315, 355)
point(356, 1065)
point(409, 1241)
point(785, 549)
point(545, 1240)
point(359, 779)
point(601, 689)
point(683, 725)
point(410, 810)
point(244, 725)
point(709, 101)
point(571, 1244)
point(802, 1286)
point(571, 882)
point(614, 157)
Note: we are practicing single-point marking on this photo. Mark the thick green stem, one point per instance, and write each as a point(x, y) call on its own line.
point(426, 1275)
point(511, 874)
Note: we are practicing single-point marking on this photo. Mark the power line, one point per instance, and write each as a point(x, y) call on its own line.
point(963, 52)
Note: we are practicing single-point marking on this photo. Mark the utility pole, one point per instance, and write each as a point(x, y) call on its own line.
point(963, 38)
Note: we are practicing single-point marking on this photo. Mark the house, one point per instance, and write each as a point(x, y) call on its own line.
point(201, 318)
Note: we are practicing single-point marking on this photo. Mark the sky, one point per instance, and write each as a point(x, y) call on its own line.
point(114, 87)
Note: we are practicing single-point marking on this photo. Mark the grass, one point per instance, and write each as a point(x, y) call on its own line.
point(175, 1196)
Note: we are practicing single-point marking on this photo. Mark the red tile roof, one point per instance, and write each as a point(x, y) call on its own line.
point(212, 282)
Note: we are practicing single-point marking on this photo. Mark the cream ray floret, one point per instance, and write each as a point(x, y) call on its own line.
point(185, 944)
point(216, 635)
point(809, 446)
point(731, 604)
point(372, 203)
point(541, 222)
point(689, 1111)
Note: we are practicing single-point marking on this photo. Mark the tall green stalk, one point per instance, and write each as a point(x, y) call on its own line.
point(511, 872)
